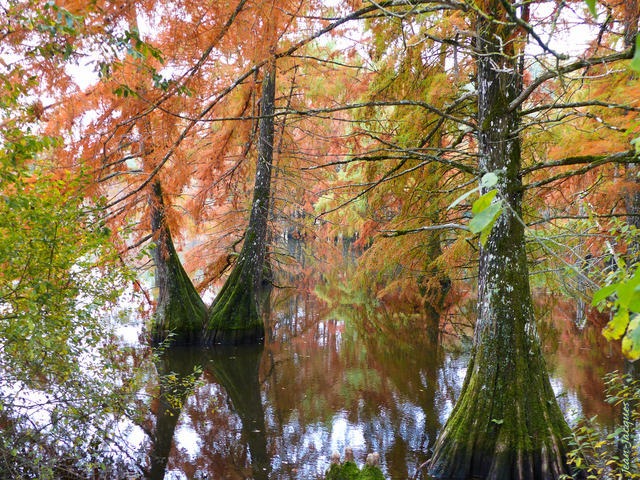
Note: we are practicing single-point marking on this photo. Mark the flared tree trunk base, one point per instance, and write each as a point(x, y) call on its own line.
point(234, 317)
point(180, 313)
point(514, 435)
point(181, 316)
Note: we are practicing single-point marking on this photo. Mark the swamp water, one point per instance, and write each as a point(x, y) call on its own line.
point(325, 380)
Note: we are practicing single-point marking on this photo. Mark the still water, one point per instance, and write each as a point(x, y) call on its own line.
point(327, 379)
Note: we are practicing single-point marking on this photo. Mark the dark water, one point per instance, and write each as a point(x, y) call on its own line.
point(327, 379)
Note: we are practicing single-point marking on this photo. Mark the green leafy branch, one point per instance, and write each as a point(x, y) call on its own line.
point(623, 297)
point(486, 209)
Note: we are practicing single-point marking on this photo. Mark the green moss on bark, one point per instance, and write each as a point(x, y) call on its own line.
point(506, 424)
point(183, 312)
point(235, 316)
point(370, 472)
point(350, 470)
point(180, 310)
point(346, 471)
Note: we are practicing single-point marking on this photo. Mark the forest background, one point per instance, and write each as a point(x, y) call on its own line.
point(460, 147)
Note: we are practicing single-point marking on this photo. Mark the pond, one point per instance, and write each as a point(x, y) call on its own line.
point(330, 378)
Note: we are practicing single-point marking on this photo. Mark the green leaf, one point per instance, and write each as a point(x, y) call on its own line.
point(617, 326)
point(635, 62)
point(489, 180)
point(462, 198)
point(634, 304)
point(592, 7)
point(631, 341)
point(483, 202)
point(485, 233)
point(485, 218)
point(603, 293)
point(625, 291)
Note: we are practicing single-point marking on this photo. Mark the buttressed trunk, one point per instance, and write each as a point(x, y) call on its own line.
point(180, 310)
point(235, 315)
point(632, 203)
point(506, 423)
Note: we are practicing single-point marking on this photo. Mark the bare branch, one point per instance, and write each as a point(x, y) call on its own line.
point(595, 160)
point(397, 233)
point(571, 67)
point(589, 103)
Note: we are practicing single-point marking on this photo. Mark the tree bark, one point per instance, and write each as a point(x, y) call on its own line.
point(235, 315)
point(180, 311)
point(506, 423)
point(632, 204)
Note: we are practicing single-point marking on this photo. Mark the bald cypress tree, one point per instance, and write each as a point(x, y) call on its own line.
point(180, 312)
point(235, 315)
point(506, 423)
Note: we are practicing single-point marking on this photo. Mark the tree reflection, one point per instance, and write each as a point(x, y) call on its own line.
point(180, 362)
point(225, 414)
point(236, 369)
point(337, 369)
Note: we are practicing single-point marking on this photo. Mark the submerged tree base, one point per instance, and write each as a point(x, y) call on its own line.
point(506, 424)
point(180, 312)
point(234, 317)
point(238, 336)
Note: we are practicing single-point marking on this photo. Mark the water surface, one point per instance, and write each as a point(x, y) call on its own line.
point(327, 379)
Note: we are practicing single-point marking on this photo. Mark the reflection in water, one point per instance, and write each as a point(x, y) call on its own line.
point(180, 361)
point(230, 371)
point(324, 380)
point(236, 370)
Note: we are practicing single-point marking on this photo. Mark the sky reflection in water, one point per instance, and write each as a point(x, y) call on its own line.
point(321, 383)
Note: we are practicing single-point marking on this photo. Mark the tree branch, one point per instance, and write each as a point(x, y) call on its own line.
point(596, 160)
point(397, 233)
point(571, 67)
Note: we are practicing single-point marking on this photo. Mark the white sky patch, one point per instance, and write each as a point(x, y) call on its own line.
point(188, 440)
point(83, 74)
point(572, 35)
point(344, 434)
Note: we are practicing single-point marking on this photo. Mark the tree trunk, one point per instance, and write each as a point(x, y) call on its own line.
point(506, 423)
point(632, 204)
point(180, 310)
point(235, 315)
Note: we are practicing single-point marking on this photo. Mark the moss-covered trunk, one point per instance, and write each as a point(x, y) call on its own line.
point(180, 310)
point(506, 423)
point(632, 204)
point(235, 315)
